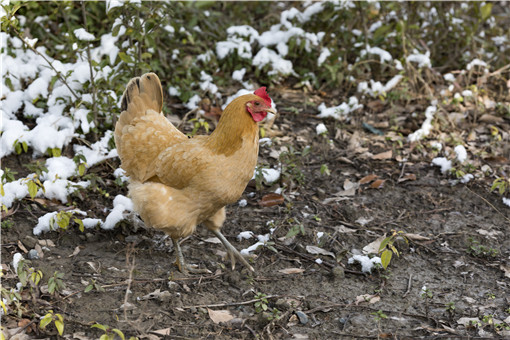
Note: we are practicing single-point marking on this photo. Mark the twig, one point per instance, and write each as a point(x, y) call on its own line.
point(92, 82)
point(233, 303)
point(409, 284)
point(195, 110)
point(489, 203)
point(59, 75)
point(130, 261)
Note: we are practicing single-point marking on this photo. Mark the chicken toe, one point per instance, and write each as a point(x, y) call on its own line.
point(232, 251)
point(182, 265)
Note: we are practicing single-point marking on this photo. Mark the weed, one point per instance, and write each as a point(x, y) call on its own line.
point(387, 247)
point(8, 175)
point(109, 333)
point(55, 283)
point(93, 285)
point(501, 184)
point(479, 250)
point(7, 224)
point(57, 320)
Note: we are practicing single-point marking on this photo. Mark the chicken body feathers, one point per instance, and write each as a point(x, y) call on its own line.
point(177, 182)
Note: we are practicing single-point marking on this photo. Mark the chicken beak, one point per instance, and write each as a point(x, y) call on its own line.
point(272, 110)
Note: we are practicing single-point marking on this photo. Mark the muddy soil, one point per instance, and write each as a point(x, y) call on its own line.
point(451, 265)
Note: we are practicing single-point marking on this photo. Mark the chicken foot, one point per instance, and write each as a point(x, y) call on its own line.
point(232, 251)
point(182, 265)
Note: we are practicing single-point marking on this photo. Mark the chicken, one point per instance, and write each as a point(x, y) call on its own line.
point(178, 182)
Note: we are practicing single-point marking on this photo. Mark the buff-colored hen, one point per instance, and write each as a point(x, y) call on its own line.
point(178, 182)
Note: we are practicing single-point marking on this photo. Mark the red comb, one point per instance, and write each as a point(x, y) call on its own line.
point(261, 92)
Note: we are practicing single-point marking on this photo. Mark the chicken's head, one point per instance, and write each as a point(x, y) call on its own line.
point(258, 108)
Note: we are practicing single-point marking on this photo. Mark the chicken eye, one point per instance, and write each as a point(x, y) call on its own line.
point(257, 103)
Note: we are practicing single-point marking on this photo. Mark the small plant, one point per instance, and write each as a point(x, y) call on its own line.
point(81, 163)
point(33, 185)
point(20, 147)
point(8, 175)
point(7, 224)
point(198, 123)
point(491, 296)
point(261, 304)
point(57, 319)
point(450, 309)
point(109, 333)
point(55, 283)
point(479, 250)
point(387, 247)
point(427, 295)
point(296, 229)
point(501, 184)
point(93, 285)
point(378, 317)
point(325, 170)
point(37, 167)
point(62, 220)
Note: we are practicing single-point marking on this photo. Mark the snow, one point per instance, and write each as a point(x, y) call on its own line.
point(83, 35)
point(16, 260)
point(270, 175)
point(461, 153)
point(426, 125)
point(121, 173)
point(321, 128)
point(366, 262)
point(262, 239)
point(14, 190)
point(376, 88)
point(449, 77)
point(245, 235)
point(269, 57)
point(59, 167)
point(242, 203)
point(121, 204)
point(442, 162)
point(423, 60)
point(476, 62)
point(239, 74)
point(325, 53)
point(341, 110)
point(466, 178)
point(384, 56)
point(506, 201)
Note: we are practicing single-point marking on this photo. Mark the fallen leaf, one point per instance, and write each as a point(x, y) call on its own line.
point(344, 229)
point(22, 247)
point(319, 251)
point(39, 251)
point(368, 179)
point(165, 331)
point(291, 270)
point(157, 294)
point(271, 199)
point(506, 269)
point(383, 155)
point(407, 177)
point(214, 240)
point(373, 247)
point(416, 237)
point(367, 298)
point(488, 118)
point(218, 316)
point(377, 184)
point(348, 185)
point(75, 252)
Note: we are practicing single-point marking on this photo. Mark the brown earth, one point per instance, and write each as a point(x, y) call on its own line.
point(458, 247)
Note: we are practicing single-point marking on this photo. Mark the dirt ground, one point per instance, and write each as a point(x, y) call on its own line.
point(458, 248)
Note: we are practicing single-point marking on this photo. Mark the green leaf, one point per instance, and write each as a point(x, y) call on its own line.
point(384, 243)
point(89, 288)
point(125, 58)
point(32, 189)
point(80, 224)
point(81, 169)
point(101, 327)
point(25, 146)
point(119, 333)
point(386, 258)
point(486, 11)
point(56, 152)
point(46, 320)
point(60, 326)
point(2, 190)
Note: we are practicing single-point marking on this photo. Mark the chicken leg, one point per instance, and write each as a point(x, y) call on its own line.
point(183, 266)
point(233, 253)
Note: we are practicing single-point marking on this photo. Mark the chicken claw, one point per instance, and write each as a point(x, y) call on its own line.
point(183, 266)
point(232, 251)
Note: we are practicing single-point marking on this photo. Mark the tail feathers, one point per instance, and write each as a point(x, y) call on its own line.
point(148, 88)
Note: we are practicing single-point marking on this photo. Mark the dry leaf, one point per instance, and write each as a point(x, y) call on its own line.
point(165, 331)
point(319, 251)
point(271, 199)
point(218, 316)
point(416, 237)
point(367, 298)
point(373, 247)
point(368, 179)
point(75, 252)
point(383, 155)
point(377, 184)
point(214, 240)
point(22, 247)
point(344, 229)
point(348, 185)
point(407, 177)
point(47, 243)
point(488, 118)
point(291, 270)
point(506, 269)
